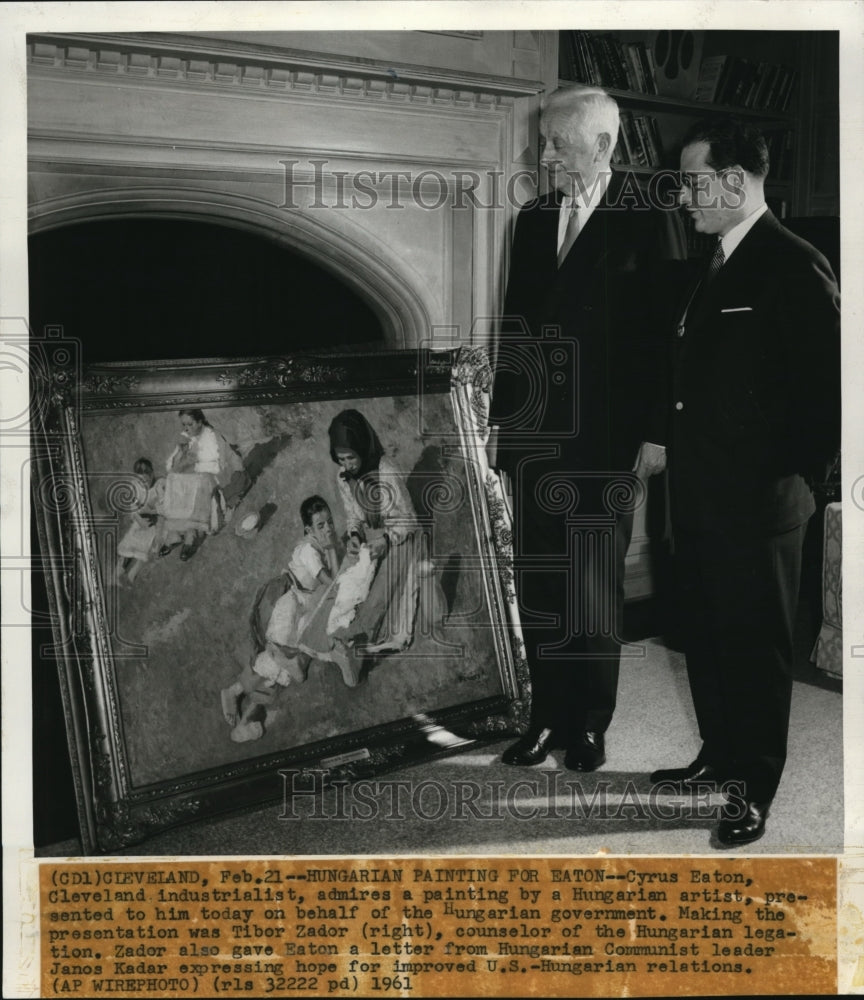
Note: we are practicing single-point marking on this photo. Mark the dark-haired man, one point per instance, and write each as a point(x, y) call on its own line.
point(572, 391)
point(754, 415)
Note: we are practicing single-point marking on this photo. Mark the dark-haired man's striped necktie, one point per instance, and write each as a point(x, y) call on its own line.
point(718, 259)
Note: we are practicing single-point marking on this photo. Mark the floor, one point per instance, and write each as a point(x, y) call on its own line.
point(470, 803)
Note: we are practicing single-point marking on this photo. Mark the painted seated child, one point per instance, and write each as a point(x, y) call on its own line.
point(139, 544)
point(282, 609)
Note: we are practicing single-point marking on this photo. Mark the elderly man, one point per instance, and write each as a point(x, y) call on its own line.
point(580, 361)
point(754, 415)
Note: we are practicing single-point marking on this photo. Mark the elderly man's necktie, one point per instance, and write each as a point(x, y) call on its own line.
point(570, 233)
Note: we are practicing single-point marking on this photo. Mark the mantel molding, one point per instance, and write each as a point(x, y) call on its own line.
point(176, 58)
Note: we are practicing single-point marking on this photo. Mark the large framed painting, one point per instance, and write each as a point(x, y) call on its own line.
point(269, 566)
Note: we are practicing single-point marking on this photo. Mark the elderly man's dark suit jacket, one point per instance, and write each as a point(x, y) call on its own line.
point(588, 404)
point(610, 299)
point(754, 412)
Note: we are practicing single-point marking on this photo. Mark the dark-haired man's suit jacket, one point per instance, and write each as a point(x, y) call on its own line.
point(754, 414)
point(575, 417)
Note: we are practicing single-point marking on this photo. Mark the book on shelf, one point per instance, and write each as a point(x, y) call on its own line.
point(743, 72)
point(635, 69)
point(627, 140)
point(613, 74)
point(779, 206)
point(656, 140)
point(780, 143)
point(789, 81)
point(710, 72)
point(650, 158)
point(775, 95)
point(647, 53)
point(764, 89)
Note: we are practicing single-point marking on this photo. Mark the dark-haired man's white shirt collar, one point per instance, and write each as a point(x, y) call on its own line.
point(587, 202)
point(735, 235)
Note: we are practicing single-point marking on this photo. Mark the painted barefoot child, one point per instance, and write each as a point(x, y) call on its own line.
point(282, 609)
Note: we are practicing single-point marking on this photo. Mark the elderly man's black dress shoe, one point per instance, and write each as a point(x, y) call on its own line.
point(532, 748)
point(735, 829)
point(587, 754)
point(697, 773)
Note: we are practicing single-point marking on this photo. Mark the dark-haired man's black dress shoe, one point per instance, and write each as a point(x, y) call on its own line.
point(587, 754)
point(744, 829)
point(532, 748)
point(697, 773)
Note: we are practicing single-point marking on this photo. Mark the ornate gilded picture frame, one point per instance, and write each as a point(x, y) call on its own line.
point(234, 602)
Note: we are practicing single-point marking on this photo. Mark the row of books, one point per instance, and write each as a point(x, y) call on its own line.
point(606, 61)
point(639, 143)
point(745, 84)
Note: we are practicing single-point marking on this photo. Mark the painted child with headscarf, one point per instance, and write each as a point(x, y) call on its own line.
point(376, 603)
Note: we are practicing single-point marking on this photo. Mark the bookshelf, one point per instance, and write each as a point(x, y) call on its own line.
point(785, 82)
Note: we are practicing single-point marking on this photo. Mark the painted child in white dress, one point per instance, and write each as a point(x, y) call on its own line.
point(139, 544)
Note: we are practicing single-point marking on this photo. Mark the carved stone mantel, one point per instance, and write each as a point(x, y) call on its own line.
point(392, 175)
point(207, 58)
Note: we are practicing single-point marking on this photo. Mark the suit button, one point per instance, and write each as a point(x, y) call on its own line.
point(679, 405)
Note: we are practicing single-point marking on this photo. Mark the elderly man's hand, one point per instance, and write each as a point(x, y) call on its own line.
point(650, 460)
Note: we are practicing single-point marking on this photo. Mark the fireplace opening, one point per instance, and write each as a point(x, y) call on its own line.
point(146, 289)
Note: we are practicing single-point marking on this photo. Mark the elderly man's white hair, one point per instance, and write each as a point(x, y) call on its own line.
point(586, 109)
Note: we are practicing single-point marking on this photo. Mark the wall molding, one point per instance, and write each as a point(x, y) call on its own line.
point(178, 58)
